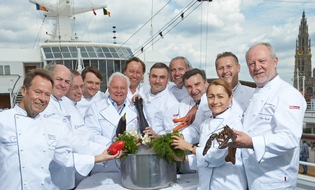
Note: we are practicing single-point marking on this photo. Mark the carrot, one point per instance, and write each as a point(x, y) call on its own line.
point(181, 119)
point(180, 126)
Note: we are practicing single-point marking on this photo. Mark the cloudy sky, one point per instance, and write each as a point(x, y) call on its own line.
point(205, 30)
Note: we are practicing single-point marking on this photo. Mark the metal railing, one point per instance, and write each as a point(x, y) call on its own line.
point(302, 178)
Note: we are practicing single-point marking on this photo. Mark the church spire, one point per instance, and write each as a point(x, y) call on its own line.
point(303, 79)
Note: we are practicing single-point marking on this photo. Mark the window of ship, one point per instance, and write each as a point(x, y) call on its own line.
point(65, 52)
point(71, 52)
point(99, 52)
point(91, 52)
point(113, 51)
point(107, 59)
point(84, 53)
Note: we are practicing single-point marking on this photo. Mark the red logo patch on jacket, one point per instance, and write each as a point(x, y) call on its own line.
point(294, 107)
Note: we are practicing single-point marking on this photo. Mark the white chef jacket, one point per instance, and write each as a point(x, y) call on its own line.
point(27, 147)
point(274, 120)
point(190, 133)
point(84, 104)
point(78, 128)
point(64, 178)
point(77, 122)
point(179, 93)
point(213, 171)
point(160, 109)
point(102, 119)
point(241, 97)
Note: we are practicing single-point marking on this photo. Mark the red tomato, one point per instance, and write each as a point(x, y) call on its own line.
point(115, 147)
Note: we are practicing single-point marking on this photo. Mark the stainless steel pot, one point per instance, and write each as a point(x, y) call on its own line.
point(147, 171)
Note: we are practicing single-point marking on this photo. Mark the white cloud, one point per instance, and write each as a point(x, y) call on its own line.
point(207, 29)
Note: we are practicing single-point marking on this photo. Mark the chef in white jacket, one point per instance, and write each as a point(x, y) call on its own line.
point(160, 105)
point(272, 125)
point(134, 69)
point(92, 79)
point(228, 68)
point(28, 139)
point(103, 116)
point(64, 178)
point(196, 84)
point(178, 66)
point(69, 102)
point(214, 172)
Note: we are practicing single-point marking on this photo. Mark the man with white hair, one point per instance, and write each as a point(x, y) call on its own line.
point(103, 116)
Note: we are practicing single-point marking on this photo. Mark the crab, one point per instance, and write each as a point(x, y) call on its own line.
point(224, 138)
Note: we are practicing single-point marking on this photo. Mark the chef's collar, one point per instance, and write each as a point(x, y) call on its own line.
point(235, 87)
point(116, 106)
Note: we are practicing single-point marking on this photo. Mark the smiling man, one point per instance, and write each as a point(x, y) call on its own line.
point(160, 105)
point(228, 69)
point(64, 178)
point(178, 66)
point(31, 140)
point(272, 125)
point(134, 69)
point(103, 116)
point(92, 79)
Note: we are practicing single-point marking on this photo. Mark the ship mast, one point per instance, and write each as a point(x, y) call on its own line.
point(62, 11)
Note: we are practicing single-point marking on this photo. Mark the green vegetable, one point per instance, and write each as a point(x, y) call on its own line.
point(130, 143)
point(163, 148)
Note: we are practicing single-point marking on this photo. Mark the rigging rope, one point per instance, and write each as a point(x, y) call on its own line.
point(39, 32)
point(206, 41)
point(166, 28)
point(146, 23)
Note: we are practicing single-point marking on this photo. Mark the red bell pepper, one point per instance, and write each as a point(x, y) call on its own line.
point(115, 147)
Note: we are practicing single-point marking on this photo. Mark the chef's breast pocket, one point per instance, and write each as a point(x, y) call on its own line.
point(267, 112)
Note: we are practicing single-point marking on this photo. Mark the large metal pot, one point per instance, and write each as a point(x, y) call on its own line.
point(147, 171)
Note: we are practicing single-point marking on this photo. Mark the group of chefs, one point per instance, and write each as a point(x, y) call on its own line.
point(61, 130)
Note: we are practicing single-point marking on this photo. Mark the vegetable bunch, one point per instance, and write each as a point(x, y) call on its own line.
point(163, 148)
point(130, 143)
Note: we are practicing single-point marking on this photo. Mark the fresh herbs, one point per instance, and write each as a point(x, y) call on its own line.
point(163, 148)
point(130, 143)
point(161, 145)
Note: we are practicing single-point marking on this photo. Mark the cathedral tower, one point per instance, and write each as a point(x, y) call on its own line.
point(303, 79)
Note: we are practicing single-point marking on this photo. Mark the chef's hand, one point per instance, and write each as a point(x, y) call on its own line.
point(150, 132)
point(242, 140)
point(190, 116)
point(106, 156)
